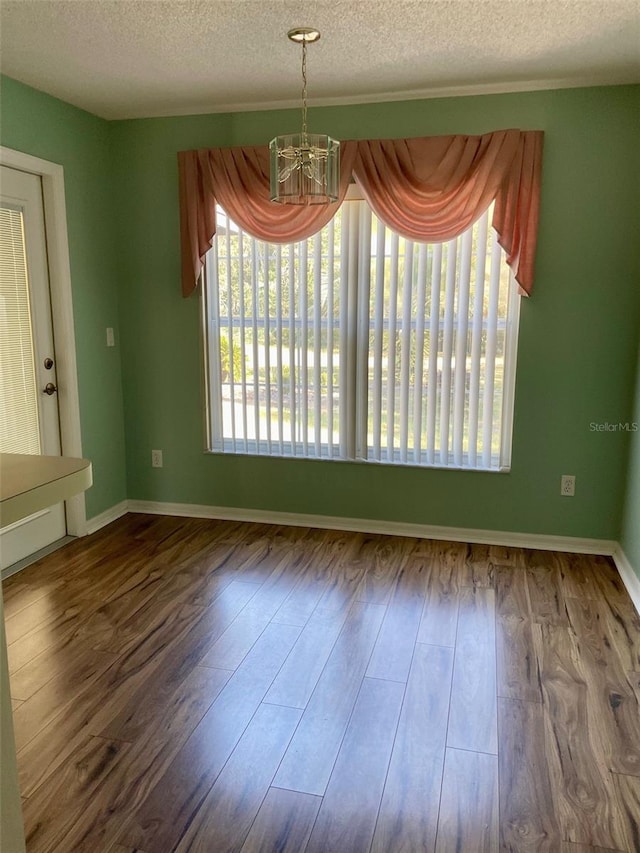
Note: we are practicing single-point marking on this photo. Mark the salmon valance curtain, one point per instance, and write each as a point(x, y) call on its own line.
point(429, 189)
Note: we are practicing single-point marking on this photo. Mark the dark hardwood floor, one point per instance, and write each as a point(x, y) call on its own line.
point(193, 685)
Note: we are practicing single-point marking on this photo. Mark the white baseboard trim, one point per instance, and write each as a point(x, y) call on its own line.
point(542, 542)
point(114, 512)
point(629, 577)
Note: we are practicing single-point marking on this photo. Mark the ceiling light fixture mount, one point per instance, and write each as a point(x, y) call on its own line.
point(303, 34)
point(305, 167)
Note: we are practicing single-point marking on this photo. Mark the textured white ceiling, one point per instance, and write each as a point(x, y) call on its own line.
point(135, 58)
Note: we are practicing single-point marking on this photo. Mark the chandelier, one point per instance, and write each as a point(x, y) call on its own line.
point(305, 167)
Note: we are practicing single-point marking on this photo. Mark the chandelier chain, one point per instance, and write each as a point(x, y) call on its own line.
point(304, 90)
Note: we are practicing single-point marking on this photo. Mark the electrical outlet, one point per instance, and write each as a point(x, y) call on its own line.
point(568, 485)
point(156, 459)
point(111, 338)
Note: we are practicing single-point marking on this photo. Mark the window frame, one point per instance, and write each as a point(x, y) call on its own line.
point(260, 448)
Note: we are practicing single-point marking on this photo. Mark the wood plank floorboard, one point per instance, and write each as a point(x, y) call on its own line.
point(230, 649)
point(284, 822)
point(67, 624)
point(473, 714)
point(191, 684)
point(47, 704)
point(586, 802)
point(181, 658)
point(468, 817)
point(544, 584)
point(610, 694)
point(528, 822)
point(303, 599)
point(634, 680)
point(308, 762)
point(90, 708)
point(622, 630)
point(71, 663)
point(346, 577)
point(577, 577)
point(347, 817)
point(517, 665)
point(127, 782)
point(477, 567)
point(627, 789)
point(439, 620)
point(44, 612)
point(381, 559)
point(393, 651)
point(609, 583)
point(173, 802)
point(299, 676)
point(52, 814)
point(224, 818)
point(408, 816)
point(18, 594)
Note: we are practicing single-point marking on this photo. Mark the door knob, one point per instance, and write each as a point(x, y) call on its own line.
point(49, 389)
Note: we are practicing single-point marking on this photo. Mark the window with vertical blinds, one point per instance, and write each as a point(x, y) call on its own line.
point(358, 344)
point(19, 420)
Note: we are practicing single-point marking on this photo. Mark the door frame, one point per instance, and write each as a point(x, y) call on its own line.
point(55, 226)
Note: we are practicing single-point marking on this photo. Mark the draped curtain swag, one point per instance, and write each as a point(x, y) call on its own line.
point(429, 189)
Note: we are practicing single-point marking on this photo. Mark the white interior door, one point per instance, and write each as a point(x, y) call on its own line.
point(29, 416)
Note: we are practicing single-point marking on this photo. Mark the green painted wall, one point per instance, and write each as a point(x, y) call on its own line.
point(578, 337)
point(630, 538)
point(37, 124)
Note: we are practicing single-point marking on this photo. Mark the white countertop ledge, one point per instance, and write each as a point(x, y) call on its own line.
point(29, 483)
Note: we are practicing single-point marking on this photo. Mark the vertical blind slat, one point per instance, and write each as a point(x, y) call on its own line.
point(254, 343)
point(304, 346)
point(267, 341)
point(406, 336)
point(330, 321)
point(391, 351)
point(243, 342)
point(317, 348)
point(447, 349)
point(418, 381)
point(378, 339)
point(362, 331)
point(279, 346)
point(213, 276)
point(352, 320)
point(460, 370)
point(476, 337)
point(434, 347)
point(344, 333)
point(232, 390)
point(292, 348)
point(490, 353)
